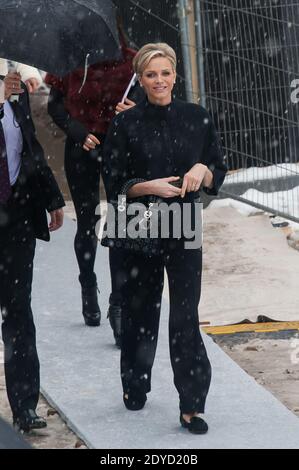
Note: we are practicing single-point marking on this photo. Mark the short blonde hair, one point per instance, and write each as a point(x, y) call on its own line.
point(151, 51)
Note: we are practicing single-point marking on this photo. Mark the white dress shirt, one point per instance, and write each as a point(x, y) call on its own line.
point(14, 142)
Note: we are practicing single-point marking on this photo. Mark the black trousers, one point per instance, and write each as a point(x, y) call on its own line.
point(141, 283)
point(17, 247)
point(83, 175)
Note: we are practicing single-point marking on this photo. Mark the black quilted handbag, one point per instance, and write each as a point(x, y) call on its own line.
point(146, 205)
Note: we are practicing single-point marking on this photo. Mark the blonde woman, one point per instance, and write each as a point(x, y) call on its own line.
point(160, 140)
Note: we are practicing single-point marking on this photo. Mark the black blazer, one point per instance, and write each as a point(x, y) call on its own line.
point(35, 174)
point(150, 142)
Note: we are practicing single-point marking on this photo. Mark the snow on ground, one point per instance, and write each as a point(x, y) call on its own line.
point(263, 173)
point(283, 201)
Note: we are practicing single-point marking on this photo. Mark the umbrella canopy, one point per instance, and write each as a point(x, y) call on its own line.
point(57, 35)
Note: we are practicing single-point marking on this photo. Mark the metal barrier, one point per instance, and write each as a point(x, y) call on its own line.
point(251, 59)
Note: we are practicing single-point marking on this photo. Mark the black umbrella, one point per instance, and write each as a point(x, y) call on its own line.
point(58, 35)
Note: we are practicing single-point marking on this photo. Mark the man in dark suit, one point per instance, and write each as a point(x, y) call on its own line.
point(27, 190)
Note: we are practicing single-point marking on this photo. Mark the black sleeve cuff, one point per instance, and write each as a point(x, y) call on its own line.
point(55, 204)
point(218, 178)
point(130, 183)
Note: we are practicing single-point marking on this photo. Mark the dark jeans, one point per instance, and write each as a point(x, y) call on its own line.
point(141, 284)
point(83, 175)
point(17, 248)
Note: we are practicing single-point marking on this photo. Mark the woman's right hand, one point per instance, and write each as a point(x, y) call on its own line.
point(91, 142)
point(161, 187)
point(124, 106)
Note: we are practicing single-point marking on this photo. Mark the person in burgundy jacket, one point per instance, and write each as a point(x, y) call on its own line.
point(84, 114)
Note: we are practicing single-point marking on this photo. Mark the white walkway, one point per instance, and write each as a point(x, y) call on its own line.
point(80, 374)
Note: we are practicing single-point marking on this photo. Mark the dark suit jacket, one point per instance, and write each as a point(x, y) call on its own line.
point(35, 174)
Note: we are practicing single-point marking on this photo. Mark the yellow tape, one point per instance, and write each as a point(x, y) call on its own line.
point(253, 327)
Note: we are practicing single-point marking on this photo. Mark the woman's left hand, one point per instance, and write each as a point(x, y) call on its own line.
point(194, 178)
point(91, 142)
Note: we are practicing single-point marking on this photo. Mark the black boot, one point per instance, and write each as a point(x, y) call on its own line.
point(28, 420)
point(90, 307)
point(114, 315)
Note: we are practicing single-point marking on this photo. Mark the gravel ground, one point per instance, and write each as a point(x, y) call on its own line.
point(272, 361)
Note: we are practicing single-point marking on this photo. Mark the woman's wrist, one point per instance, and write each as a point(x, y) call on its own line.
point(141, 189)
point(208, 179)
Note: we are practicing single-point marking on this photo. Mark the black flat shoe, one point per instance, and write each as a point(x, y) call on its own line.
point(114, 315)
point(196, 426)
point(134, 402)
point(90, 307)
point(29, 420)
